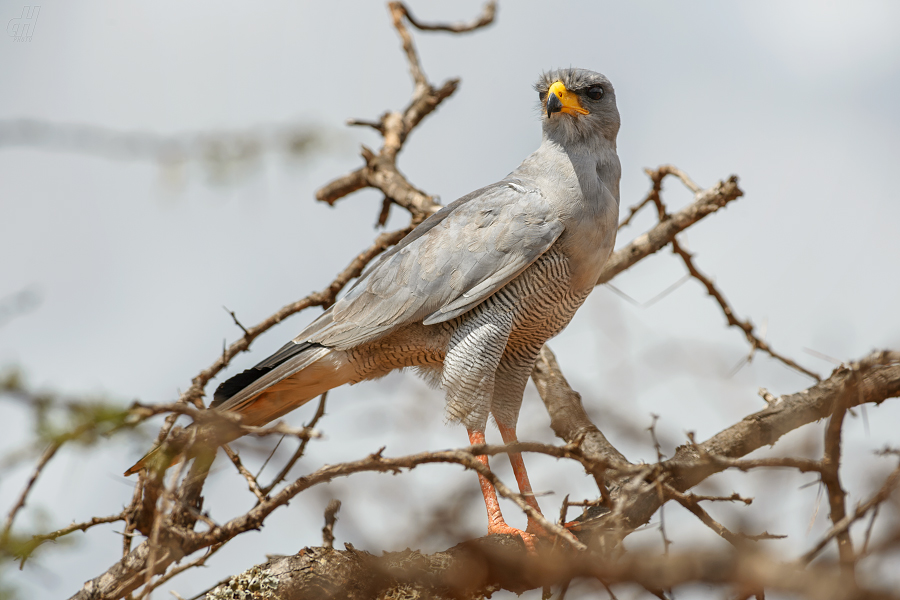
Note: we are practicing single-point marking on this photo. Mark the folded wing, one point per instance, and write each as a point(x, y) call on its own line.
point(452, 262)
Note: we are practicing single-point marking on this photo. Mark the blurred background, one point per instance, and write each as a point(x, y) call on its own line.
point(159, 162)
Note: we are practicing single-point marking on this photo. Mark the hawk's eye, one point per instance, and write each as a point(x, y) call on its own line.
point(594, 93)
point(542, 96)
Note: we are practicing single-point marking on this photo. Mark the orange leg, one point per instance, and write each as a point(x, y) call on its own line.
point(518, 465)
point(496, 524)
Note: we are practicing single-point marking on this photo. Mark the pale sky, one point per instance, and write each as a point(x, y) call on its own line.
point(132, 269)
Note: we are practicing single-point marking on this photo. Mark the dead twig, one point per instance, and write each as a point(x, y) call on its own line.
point(330, 518)
point(198, 562)
point(705, 203)
point(26, 549)
point(236, 322)
point(843, 526)
point(756, 343)
point(320, 412)
point(251, 480)
point(20, 502)
point(692, 504)
point(656, 177)
point(483, 20)
point(830, 473)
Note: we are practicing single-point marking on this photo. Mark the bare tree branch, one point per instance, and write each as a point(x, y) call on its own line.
point(756, 343)
point(692, 503)
point(330, 518)
point(252, 484)
point(26, 549)
point(320, 412)
point(481, 567)
point(656, 177)
point(830, 473)
point(878, 379)
point(705, 203)
point(844, 524)
point(636, 498)
point(45, 458)
point(483, 20)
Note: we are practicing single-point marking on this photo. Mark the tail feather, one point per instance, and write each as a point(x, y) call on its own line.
point(286, 380)
point(303, 373)
point(238, 383)
point(155, 459)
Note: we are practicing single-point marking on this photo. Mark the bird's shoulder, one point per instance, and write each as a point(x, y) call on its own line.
point(496, 205)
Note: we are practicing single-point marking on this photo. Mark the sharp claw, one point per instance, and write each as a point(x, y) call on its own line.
point(572, 526)
point(528, 538)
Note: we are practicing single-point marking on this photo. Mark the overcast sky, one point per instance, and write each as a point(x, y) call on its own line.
point(131, 264)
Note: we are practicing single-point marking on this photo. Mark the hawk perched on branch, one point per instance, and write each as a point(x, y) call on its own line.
point(470, 296)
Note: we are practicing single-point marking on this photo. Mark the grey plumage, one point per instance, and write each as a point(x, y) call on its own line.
point(471, 295)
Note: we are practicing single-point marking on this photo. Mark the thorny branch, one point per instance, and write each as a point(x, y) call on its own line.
point(636, 498)
point(49, 453)
point(252, 484)
point(198, 562)
point(320, 412)
point(756, 343)
point(654, 197)
point(380, 171)
point(830, 473)
point(483, 20)
point(705, 203)
point(692, 503)
point(330, 519)
point(479, 568)
point(37, 540)
point(844, 524)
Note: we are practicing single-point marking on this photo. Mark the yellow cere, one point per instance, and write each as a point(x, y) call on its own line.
point(570, 102)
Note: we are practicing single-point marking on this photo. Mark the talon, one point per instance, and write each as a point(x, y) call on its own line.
point(528, 538)
point(572, 526)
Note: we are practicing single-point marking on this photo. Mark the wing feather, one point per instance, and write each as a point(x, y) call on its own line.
point(448, 265)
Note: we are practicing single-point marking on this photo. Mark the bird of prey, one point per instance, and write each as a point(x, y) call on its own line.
point(470, 296)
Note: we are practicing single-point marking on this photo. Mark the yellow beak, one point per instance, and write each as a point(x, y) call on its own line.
point(559, 99)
